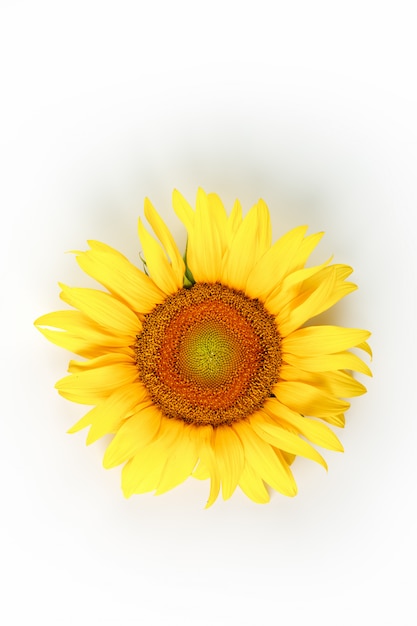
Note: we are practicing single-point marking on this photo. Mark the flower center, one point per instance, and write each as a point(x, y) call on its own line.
point(209, 355)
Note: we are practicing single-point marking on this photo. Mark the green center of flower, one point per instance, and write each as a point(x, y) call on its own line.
point(209, 355)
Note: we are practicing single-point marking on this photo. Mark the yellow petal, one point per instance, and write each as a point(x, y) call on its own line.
point(201, 472)
point(74, 322)
point(218, 212)
point(162, 232)
point(111, 358)
point(253, 486)
point(342, 272)
point(316, 294)
point(264, 461)
point(276, 263)
point(246, 247)
point(366, 347)
point(183, 209)
point(104, 309)
point(204, 439)
point(337, 420)
point(315, 431)
point(120, 277)
point(327, 362)
point(143, 472)
point(288, 458)
point(322, 298)
point(204, 249)
point(135, 433)
point(181, 461)
point(339, 384)
point(82, 332)
point(234, 222)
point(72, 343)
point(303, 308)
point(157, 263)
point(92, 386)
point(342, 384)
point(318, 340)
point(308, 400)
point(110, 415)
point(264, 230)
point(299, 276)
point(289, 289)
point(230, 458)
point(306, 248)
point(283, 439)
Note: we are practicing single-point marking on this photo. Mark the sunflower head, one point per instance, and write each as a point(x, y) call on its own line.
point(204, 365)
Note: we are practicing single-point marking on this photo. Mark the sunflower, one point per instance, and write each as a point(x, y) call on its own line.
point(202, 365)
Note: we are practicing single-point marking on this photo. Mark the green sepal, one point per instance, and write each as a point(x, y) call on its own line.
point(188, 276)
point(145, 265)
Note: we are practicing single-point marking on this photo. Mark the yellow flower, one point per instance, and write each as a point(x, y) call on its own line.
point(204, 366)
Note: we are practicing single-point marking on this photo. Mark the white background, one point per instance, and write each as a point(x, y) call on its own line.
point(311, 105)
